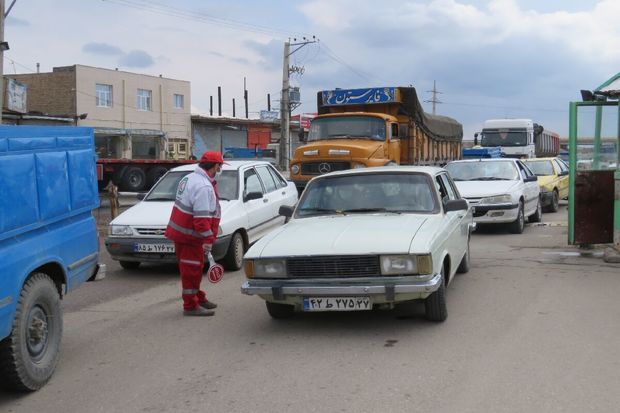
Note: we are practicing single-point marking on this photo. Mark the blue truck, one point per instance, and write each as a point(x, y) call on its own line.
point(48, 243)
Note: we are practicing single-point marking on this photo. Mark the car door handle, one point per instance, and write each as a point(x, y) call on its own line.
point(265, 200)
point(283, 192)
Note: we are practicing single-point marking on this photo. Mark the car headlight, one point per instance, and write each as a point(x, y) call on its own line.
point(295, 169)
point(267, 268)
point(120, 230)
point(499, 199)
point(406, 264)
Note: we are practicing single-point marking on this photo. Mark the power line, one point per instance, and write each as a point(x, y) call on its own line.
point(434, 99)
point(159, 8)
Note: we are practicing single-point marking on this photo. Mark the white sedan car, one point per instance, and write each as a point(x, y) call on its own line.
point(363, 238)
point(251, 194)
point(501, 191)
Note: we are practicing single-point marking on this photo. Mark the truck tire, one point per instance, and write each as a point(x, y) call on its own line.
point(234, 256)
point(29, 355)
point(134, 179)
point(277, 310)
point(153, 175)
point(435, 308)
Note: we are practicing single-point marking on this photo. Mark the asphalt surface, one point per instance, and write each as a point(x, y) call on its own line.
point(532, 327)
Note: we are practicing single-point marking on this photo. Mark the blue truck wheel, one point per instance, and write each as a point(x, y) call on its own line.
point(29, 355)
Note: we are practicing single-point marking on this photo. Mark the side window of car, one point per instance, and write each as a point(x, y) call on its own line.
point(448, 187)
point(280, 182)
point(454, 188)
point(559, 166)
point(524, 170)
point(441, 187)
point(251, 183)
point(267, 179)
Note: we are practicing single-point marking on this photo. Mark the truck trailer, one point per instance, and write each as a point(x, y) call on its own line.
point(358, 128)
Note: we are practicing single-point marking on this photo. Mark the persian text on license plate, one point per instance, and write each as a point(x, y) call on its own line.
point(337, 303)
point(156, 248)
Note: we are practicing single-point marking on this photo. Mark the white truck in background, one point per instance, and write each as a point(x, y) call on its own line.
point(518, 138)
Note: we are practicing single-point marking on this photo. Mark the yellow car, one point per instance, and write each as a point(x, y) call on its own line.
point(552, 176)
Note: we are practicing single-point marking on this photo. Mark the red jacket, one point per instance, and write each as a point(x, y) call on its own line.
point(195, 218)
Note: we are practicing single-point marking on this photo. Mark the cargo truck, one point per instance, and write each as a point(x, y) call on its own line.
point(358, 128)
point(519, 138)
point(48, 243)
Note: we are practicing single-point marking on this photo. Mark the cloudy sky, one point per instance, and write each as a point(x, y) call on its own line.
point(490, 59)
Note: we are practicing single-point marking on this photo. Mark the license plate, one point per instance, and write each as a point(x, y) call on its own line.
point(155, 248)
point(337, 303)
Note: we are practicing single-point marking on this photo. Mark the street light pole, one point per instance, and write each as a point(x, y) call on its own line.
point(284, 110)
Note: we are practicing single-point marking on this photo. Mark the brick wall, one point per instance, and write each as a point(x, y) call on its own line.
point(51, 93)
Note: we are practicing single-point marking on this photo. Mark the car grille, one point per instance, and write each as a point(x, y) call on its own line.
point(319, 168)
point(153, 232)
point(333, 266)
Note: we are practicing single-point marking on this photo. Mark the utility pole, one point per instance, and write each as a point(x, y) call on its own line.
point(434, 100)
point(285, 106)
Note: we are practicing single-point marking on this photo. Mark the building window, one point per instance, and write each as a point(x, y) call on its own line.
point(104, 95)
point(145, 98)
point(178, 101)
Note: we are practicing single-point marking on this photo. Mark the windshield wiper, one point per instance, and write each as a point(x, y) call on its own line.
point(321, 210)
point(338, 135)
point(490, 178)
point(369, 210)
point(161, 198)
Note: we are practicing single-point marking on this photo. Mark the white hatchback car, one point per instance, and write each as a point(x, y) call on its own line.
point(251, 194)
point(362, 238)
point(501, 191)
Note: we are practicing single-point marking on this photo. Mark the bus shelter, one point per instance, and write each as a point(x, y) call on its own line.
point(594, 150)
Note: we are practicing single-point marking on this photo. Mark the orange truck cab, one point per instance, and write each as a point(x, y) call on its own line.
point(359, 128)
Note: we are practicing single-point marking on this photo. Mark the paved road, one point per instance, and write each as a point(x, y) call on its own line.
point(531, 327)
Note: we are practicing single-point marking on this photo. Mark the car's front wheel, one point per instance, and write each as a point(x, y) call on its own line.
point(435, 308)
point(518, 225)
point(234, 256)
point(277, 310)
point(555, 201)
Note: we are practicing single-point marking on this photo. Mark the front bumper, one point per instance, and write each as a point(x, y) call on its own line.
point(122, 249)
point(546, 198)
point(380, 289)
point(495, 214)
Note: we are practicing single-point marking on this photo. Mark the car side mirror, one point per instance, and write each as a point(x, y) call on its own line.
point(563, 173)
point(532, 178)
point(286, 211)
point(141, 195)
point(252, 195)
point(455, 205)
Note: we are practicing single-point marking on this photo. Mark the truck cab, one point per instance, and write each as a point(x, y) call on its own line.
point(344, 141)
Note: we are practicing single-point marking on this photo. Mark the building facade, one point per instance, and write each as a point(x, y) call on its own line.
point(135, 116)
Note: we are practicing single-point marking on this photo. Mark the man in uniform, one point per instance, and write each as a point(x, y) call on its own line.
point(193, 227)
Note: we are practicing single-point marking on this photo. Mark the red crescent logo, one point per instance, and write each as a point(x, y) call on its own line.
point(215, 273)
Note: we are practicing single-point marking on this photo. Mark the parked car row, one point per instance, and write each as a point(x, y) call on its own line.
point(357, 239)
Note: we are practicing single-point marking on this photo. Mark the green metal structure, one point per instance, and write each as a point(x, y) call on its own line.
point(594, 148)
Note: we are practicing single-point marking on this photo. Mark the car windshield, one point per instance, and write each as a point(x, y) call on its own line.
point(541, 168)
point(360, 194)
point(483, 171)
point(503, 137)
point(166, 188)
point(347, 127)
